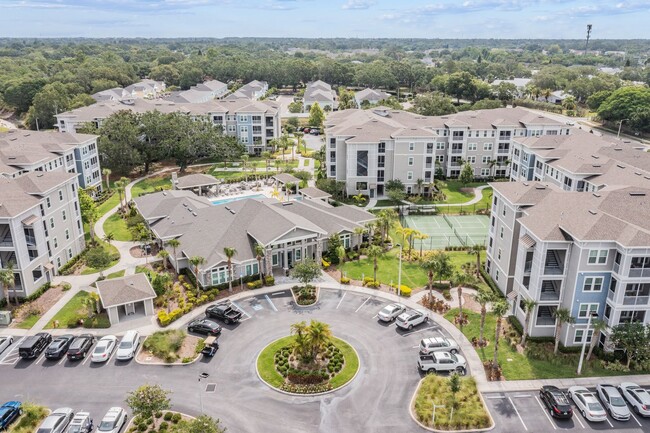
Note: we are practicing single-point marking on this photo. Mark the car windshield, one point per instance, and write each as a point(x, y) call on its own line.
point(559, 398)
point(617, 401)
point(126, 345)
point(106, 425)
point(453, 358)
point(594, 406)
point(389, 309)
point(74, 429)
point(100, 349)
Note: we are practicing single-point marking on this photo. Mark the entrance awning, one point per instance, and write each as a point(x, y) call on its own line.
point(527, 241)
point(49, 266)
point(30, 220)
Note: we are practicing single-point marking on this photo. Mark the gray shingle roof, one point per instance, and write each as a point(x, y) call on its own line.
point(195, 180)
point(125, 290)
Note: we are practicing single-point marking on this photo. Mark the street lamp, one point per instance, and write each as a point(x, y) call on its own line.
point(584, 341)
point(399, 273)
point(620, 124)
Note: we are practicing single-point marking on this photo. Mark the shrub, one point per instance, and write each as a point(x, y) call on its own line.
point(163, 426)
point(345, 280)
point(158, 414)
point(66, 287)
point(516, 324)
point(176, 418)
point(254, 284)
point(168, 416)
point(405, 291)
point(269, 280)
point(446, 293)
point(490, 282)
point(325, 263)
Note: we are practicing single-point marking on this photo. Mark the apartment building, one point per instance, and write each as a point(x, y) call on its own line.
point(366, 148)
point(148, 89)
point(200, 93)
point(319, 92)
point(40, 226)
point(254, 91)
point(254, 123)
point(27, 151)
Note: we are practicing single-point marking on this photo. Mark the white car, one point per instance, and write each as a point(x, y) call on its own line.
point(81, 423)
point(113, 421)
point(637, 397)
point(410, 319)
point(104, 349)
point(390, 312)
point(442, 361)
point(587, 403)
point(613, 402)
point(438, 344)
point(128, 346)
point(57, 421)
point(5, 341)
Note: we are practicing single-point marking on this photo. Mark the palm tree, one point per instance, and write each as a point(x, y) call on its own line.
point(259, 255)
point(483, 297)
point(319, 335)
point(174, 243)
point(406, 234)
point(443, 267)
point(359, 199)
point(547, 94)
point(244, 160)
point(109, 237)
point(375, 252)
point(421, 237)
point(164, 254)
point(300, 330)
point(386, 218)
point(8, 281)
point(598, 325)
point(461, 279)
point(287, 189)
point(267, 158)
point(119, 187)
point(197, 261)
point(562, 316)
point(420, 183)
point(476, 250)
point(359, 231)
point(529, 307)
point(229, 252)
point(499, 309)
point(340, 253)
point(107, 172)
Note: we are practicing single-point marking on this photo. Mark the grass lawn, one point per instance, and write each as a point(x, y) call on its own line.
point(117, 274)
point(385, 202)
point(165, 344)
point(454, 194)
point(469, 413)
point(29, 321)
point(151, 184)
point(109, 204)
point(115, 254)
point(31, 418)
point(349, 368)
point(75, 310)
point(116, 225)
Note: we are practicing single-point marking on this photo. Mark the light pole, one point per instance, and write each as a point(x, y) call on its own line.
point(399, 273)
point(584, 342)
point(620, 125)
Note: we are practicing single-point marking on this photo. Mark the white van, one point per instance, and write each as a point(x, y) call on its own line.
point(128, 346)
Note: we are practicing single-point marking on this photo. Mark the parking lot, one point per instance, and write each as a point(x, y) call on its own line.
point(382, 348)
point(523, 411)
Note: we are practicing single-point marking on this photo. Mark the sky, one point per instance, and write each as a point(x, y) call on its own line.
point(529, 19)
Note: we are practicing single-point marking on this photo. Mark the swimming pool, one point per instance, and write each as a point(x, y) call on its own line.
point(228, 200)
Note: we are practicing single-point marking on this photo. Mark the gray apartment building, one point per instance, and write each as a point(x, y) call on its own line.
point(254, 123)
point(574, 232)
point(319, 92)
point(40, 226)
point(366, 148)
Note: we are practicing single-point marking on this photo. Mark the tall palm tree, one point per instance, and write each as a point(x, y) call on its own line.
point(483, 297)
point(461, 279)
point(375, 252)
point(174, 243)
point(119, 187)
point(386, 218)
point(476, 250)
point(259, 255)
point(8, 281)
point(300, 330)
point(598, 325)
point(420, 183)
point(109, 237)
point(499, 308)
point(443, 267)
point(562, 316)
point(529, 307)
point(164, 255)
point(359, 231)
point(267, 158)
point(107, 173)
point(340, 253)
point(406, 234)
point(319, 335)
point(197, 261)
point(244, 160)
point(421, 237)
point(430, 264)
point(229, 252)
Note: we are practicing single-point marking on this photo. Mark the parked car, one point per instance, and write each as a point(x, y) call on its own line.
point(442, 361)
point(314, 131)
point(587, 404)
point(637, 397)
point(556, 402)
point(306, 130)
point(223, 312)
point(113, 421)
point(59, 346)
point(104, 349)
point(5, 341)
point(390, 312)
point(32, 346)
point(57, 421)
point(211, 346)
point(204, 326)
point(80, 347)
point(411, 318)
point(613, 402)
point(438, 344)
point(9, 412)
point(81, 423)
point(128, 346)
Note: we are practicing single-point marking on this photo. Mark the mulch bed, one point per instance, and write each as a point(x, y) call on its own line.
point(40, 305)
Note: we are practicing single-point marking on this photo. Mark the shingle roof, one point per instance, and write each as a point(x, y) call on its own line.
point(195, 180)
point(371, 95)
point(313, 192)
point(286, 178)
point(41, 182)
point(125, 290)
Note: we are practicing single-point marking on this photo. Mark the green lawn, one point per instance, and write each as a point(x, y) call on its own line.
point(385, 202)
point(149, 185)
point(75, 310)
point(165, 344)
point(112, 251)
point(29, 321)
point(116, 225)
point(30, 419)
point(117, 274)
point(349, 368)
point(109, 204)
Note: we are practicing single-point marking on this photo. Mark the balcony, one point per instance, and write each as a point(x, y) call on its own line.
point(503, 151)
point(454, 164)
point(528, 266)
point(554, 263)
point(545, 316)
point(456, 150)
point(639, 272)
point(428, 165)
point(636, 300)
point(550, 290)
point(5, 236)
point(31, 240)
point(269, 122)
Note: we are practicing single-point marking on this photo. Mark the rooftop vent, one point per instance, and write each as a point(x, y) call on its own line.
point(618, 149)
point(620, 165)
point(593, 212)
point(287, 203)
point(525, 183)
point(637, 173)
point(637, 194)
point(194, 213)
point(227, 208)
point(39, 175)
point(596, 165)
point(165, 193)
point(189, 209)
point(596, 195)
point(540, 187)
point(184, 204)
point(595, 156)
point(232, 211)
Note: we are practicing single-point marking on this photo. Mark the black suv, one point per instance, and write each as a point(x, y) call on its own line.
point(556, 402)
point(223, 312)
point(80, 347)
point(34, 345)
point(58, 347)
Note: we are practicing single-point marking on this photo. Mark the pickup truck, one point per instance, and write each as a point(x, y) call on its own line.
point(223, 312)
point(442, 361)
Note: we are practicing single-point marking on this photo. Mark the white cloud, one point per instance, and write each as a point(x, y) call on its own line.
point(358, 4)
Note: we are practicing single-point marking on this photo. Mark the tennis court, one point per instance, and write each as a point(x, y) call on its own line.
point(447, 231)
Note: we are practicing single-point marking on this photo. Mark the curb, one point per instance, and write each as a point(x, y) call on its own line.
point(293, 394)
point(415, 419)
point(295, 301)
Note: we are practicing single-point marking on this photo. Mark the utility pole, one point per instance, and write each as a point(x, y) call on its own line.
point(588, 35)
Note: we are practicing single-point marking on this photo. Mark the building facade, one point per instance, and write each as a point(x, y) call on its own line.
point(319, 92)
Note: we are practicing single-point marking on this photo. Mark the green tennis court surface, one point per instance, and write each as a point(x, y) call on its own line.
point(446, 231)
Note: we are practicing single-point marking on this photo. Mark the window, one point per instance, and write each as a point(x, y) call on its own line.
point(345, 240)
point(411, 147)
point(243, 118)
point(457, 135)
point(411, 160)
point(487, 146)
point(504, 210)
point(592, 284)
point(56, 243)
point(220, 275)
point(496, 276)
point(362, 186)
point(232, 128)
point(52, 222)
point(60, 195)
point(440, 146)
point(597, 257)
point(252, 269)
point(587, 309)
point(58, 262)
point(382, 147)
point(471, 146)
point(47, 202)
point(64, 215)
point(580, 333)
point(362, 163)
point(381, 160)
point(409, 175)
point(67, 234)
point(499, 254)
point(69, 253)
point(485, 172)
point(471, 159)
point(501, 234)
point(275, 259)
point(440, 158)
point(485, 159)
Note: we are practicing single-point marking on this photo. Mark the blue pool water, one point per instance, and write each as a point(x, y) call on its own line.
point(228, 200)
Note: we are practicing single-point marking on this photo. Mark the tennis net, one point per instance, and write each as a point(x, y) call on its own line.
point(447, 221)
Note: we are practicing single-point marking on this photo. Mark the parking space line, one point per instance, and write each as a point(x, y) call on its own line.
point(521, 395)
point(361, 306)
point(637, 421)
point(547, 415)
point(517, 412)
point(277, 293)
point(341, 300)
point(496, 397)
point(40, 358)
point(271, 302)
point(241, 310)
point(609, 422)
point(61, 361)
point(375, 316)
point(112, 355)
point(419, 330)
point(577, 417)
point(86, 358)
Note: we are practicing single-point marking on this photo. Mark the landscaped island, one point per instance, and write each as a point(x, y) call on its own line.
point(310, 361)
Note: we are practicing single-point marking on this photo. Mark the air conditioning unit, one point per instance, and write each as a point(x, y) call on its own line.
point(5, 318)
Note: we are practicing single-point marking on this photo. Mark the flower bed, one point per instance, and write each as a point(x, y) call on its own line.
point(305, 295)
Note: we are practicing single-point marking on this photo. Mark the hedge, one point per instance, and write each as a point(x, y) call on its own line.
point(490, 282)
point(268, 280)
point(515, 323)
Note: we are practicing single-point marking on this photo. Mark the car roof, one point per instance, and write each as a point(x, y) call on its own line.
point(433, 339)
point(442, 355)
